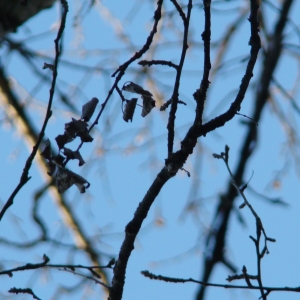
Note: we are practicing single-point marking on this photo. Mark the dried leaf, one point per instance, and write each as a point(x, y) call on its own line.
point(68, 153)
point(85, 136)
point(80, 182)
point(47, 153)
point(129, 109)
point(63, 139)
point(135, 88)
point(79, 157)
point(74, 127)
point(88, 109)
point(51, 166)
point(58, 160)
point(81, 187)
point(148, 104)
point(66, 178)
point(74, 155)
point(63, 180)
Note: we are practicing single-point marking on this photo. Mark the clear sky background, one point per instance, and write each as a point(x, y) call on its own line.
point(124, 158)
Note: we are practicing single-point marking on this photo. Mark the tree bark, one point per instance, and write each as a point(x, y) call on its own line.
point(14, 13)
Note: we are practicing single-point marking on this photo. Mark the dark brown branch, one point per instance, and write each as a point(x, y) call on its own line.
point(236, 105)
point(259, 226)
point(180, 11)
point(158, 62)
point(137, 55)
point(166, 104)
point(121, 70)
point(226, 286)
point(54, 266)
point(177, 160)
point(26, 267)
point(131, 232)
point(187, 145)
point(94, 270)
point(24, 291)
point(200, 94)
point(225, 205)
point(30, 134)
point(24, 177)
point(175, 95)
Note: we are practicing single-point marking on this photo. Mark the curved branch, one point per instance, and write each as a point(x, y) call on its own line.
point(172, 114)
point(176, 162)
point(24, 177)
point(225, 205)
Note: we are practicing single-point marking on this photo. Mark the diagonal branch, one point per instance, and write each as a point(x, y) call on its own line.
point(121, 70)
point(225, 205)
point(30, 135)
point(200, 94)
point(180, 11)
point(176, 162)
point(24, 177)
point(226, 286)
point(172, 114)
point(137, 55)
point(131, 232)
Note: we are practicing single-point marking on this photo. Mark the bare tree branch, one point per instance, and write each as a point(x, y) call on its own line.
point(24, 177)
point(226, 286)
point(225, 205)
point(177, 160)
point(14, 13)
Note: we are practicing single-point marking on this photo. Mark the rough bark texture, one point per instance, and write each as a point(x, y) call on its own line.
point(14, 13)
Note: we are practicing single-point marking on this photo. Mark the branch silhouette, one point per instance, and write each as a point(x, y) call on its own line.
point(25, 177)
point(176, 160)
point(225, 205)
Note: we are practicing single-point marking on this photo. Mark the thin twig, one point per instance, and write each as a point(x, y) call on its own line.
point(45, 264)
point(172, 114)
point(272, 54)
point(259, 226)
point(166, 104)
point(58, 49)
point(180, 11)
point(137, 55)
point(131, 231)
point(24, 291)
point(226, 286)
point(121, 70)
point(200, 94)
point(158, 62)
